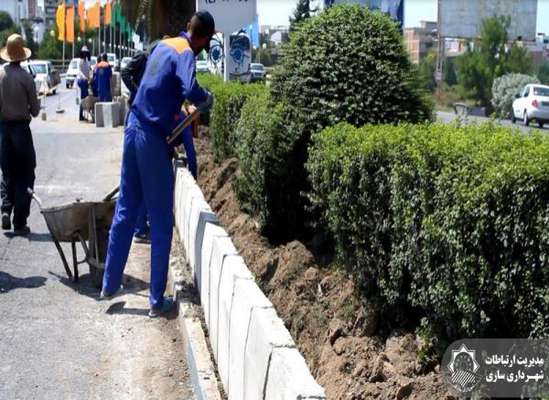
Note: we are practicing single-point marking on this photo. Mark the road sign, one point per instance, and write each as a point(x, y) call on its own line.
point(230, 15)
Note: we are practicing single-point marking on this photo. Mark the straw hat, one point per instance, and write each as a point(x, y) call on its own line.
point(15, 49)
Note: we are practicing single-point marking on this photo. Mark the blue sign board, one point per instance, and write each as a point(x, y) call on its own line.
point(395, 8)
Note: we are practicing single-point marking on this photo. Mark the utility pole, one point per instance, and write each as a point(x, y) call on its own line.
point(440, 50)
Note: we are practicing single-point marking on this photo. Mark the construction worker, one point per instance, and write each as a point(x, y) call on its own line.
point(83, 78)
point(102, 79)
point(18, 104)
point(147, 169)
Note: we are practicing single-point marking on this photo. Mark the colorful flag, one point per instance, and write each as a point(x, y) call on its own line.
point(117, 13)
point(82, 16)
point(94, 13)
point(60, 20)
point(108, 13)
point(69, 24)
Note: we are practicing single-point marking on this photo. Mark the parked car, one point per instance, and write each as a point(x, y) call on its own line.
point(72, 73)
point(532, 104)
point(124, 63)
point(257, 72)
point(202, 67)
point(46, 76)
point(29, 69)
point(113, 61)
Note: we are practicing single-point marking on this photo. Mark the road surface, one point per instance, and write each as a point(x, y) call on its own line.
point(57, 341)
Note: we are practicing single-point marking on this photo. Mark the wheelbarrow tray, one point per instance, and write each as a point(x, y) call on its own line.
point(70, 222)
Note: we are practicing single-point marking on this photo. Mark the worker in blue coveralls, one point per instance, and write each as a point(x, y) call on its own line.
point(147, 169)
point(102, 80)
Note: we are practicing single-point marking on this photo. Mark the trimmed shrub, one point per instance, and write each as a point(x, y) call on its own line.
point(265, 150)
point(349, 64)
point(229, 98)
point(451, 220)
point(210, 82)
point(504, 90)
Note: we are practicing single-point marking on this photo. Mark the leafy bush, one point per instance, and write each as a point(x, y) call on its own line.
point(265, 150)
point(229, 99)
point(504, 90)
point(347, 64)
point(543, 73)
point(451, 220)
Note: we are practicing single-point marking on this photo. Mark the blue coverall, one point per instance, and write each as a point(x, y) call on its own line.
point(102, 81)
point(147, 170)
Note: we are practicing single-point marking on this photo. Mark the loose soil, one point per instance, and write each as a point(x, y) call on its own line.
point(319, 305)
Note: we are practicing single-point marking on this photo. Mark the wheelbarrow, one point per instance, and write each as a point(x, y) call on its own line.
point(87, 223)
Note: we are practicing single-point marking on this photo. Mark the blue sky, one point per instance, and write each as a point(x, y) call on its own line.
point(277, 12)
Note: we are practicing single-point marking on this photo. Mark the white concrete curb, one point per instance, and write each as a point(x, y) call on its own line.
point(255, 354)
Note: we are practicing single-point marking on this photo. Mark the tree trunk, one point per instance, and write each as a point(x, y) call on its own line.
point(162, 17)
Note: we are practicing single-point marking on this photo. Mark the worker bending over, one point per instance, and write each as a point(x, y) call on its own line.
point(147, 170)
point(102, 79)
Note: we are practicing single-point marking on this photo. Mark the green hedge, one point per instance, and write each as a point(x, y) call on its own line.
point(268, 177)
point(229, 98)
point(451, 220)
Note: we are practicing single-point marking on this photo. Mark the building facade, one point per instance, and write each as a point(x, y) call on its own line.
point(420, 40)
point(50, 7)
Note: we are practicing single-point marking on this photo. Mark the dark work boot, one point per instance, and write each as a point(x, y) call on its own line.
point(23, 231)
point(6, 221)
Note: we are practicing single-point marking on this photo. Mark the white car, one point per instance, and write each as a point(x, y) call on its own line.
point(72, 73)
point(113, 61)
point(258, 72)
point(202, 67)
point(532, 104)
point(46, 77)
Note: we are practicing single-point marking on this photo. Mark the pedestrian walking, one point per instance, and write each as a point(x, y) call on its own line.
point(147, 170)
point(102, 79)
point(83, 78)
point(18, 104)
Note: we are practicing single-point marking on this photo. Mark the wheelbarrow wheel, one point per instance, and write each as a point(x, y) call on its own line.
point(96, 276)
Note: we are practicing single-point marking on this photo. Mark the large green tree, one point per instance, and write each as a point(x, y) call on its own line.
point(302, 12)
point(489, 58)
point(7, 27)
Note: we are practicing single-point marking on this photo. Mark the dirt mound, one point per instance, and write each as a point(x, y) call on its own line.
point(332, 327)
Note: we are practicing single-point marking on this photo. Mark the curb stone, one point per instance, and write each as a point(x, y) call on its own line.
point(203, 378)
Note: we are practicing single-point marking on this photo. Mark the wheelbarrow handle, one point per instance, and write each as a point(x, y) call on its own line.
point(112, 193)
point(34, 196)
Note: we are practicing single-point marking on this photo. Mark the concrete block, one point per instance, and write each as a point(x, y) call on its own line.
point(180, 183)
point(205, 217)
point(107, 115)
point(197, 206)
point(288, 377)
point(186, 182)
point(234, 269)
point(211, 232)
point(246, 296)
point(222, 248)
point(193, 195)
point(265, 333)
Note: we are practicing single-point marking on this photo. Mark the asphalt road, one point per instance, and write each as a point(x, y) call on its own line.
point(57, 341)
point(448, 117)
